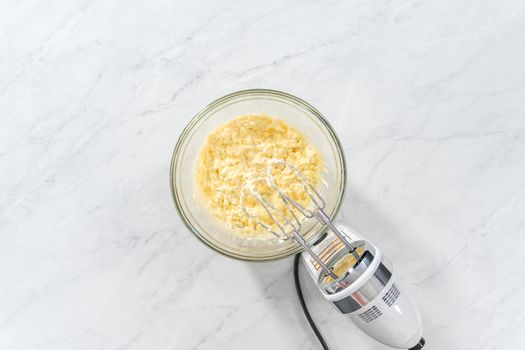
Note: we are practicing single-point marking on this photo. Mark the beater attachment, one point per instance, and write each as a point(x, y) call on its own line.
point(286, 223)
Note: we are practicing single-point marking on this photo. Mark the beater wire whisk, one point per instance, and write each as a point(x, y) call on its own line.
point(286, 225)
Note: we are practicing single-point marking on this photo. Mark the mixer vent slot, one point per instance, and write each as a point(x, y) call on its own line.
point(390, 297)
point(370, 314)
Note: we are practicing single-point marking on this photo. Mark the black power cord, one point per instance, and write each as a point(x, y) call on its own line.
point(303, 304)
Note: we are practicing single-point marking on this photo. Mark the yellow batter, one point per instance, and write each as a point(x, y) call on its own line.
point(238, 153)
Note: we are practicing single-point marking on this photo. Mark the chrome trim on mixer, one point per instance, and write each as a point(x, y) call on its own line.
point(368, 292)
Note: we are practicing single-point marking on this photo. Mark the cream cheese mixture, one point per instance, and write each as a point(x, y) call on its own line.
point(238, 153)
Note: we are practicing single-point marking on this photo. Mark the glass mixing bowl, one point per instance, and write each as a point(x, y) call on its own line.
point(186, 194)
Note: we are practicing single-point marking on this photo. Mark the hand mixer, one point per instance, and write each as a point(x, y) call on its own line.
point(349, 271)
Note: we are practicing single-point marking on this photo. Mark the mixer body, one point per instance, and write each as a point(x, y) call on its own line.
point(367, 290)
point(393, 318)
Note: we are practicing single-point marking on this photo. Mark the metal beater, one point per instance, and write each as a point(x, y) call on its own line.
point(288, 224)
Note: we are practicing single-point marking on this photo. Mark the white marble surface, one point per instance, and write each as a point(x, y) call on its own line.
point(428, 98)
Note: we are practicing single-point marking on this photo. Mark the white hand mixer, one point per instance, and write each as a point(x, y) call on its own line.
point(350, 272)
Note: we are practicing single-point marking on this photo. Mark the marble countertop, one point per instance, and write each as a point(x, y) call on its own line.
point(427, 98)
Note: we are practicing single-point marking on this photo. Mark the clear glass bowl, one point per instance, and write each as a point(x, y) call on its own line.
point(186, 194)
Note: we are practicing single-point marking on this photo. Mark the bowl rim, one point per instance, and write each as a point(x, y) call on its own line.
point(201, 115)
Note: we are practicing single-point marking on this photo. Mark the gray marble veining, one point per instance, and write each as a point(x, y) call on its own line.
point(427, 97)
